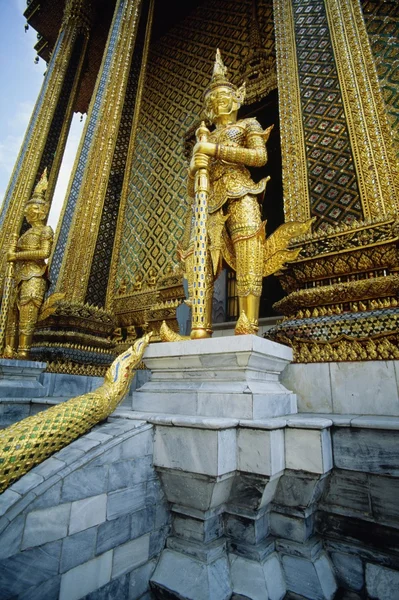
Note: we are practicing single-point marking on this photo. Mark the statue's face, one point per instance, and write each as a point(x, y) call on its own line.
point(35, 212)
point(220, 101)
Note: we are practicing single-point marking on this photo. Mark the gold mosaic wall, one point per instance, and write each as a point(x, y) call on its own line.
point(179, 68)
point(382, 23)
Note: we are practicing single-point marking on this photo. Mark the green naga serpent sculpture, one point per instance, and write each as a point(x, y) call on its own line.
point(30, 441)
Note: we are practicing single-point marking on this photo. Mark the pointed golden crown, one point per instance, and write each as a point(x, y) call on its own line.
point(38, 196)
point(219, 74)
point(219, 78)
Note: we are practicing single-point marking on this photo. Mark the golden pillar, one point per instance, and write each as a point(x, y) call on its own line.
point(339, 166)
point(47, 132)
point(78, 336)
point(89, 180)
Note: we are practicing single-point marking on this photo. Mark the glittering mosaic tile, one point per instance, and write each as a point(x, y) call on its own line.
point(179, 68)
point(382, 23)
point(334, 194)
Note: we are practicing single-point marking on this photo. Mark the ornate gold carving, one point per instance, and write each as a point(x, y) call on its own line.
point(375, 161)
point(244, 326)
point(221, 185)
point(373, 261)
point(357, 294)
point(384, 348)
point(345, 237)
point(295, 174)
point(72, 368)
point(75, 334)
point(167, 334)
point(259, 67)
point(30, 441)
point(79, 12)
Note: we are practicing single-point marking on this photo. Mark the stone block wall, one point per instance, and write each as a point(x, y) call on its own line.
point(89, 522)
point(358, 388)
point(358, 514)
point(17, 403)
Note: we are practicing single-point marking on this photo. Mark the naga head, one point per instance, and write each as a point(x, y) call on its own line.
point(122, 369)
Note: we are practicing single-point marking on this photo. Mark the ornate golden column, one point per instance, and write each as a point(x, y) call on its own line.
point(340, 167)
point(78, 335)
point(75, 247)
point(47, 132)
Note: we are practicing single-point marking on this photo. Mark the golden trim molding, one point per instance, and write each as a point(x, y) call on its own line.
point(295, 172)
point(374, 158)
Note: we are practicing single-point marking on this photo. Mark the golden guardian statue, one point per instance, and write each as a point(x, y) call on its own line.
point(27, 261)
point(227, 209)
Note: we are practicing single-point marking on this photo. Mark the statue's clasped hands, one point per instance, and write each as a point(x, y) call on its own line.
point(201, 154)
point(11, 256)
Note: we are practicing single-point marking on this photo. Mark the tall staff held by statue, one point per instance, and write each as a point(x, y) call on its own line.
point(201, 294)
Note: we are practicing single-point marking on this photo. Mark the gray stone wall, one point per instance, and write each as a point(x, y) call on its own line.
point(88, 522)
point(55, 388)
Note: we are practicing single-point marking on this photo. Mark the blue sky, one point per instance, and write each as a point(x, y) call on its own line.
point(21, 82)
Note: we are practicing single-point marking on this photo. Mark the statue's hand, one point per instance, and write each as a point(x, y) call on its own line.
point(198, 161)
point(11, 256)
point(207, 148)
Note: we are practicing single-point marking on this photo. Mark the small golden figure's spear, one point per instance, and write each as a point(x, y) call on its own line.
point(201, 319)
point(7, 291)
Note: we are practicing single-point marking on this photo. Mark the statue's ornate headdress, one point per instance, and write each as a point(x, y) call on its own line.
point(219, 78)
point(39, 193)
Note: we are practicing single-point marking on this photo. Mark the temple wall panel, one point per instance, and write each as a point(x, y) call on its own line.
point(179, 68)
point(334, 193)
point(382, 24)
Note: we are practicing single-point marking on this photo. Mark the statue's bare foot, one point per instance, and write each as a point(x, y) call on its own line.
point(9, 352)
point(244, 326)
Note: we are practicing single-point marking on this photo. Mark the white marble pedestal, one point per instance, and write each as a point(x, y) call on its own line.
point(230, 377)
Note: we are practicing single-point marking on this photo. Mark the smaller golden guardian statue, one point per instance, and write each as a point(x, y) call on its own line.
point(228, 225)
point(29, 271)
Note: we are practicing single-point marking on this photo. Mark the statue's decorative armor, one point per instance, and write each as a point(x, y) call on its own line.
point(238, 144)
point(233, 192)
point(233, 189)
